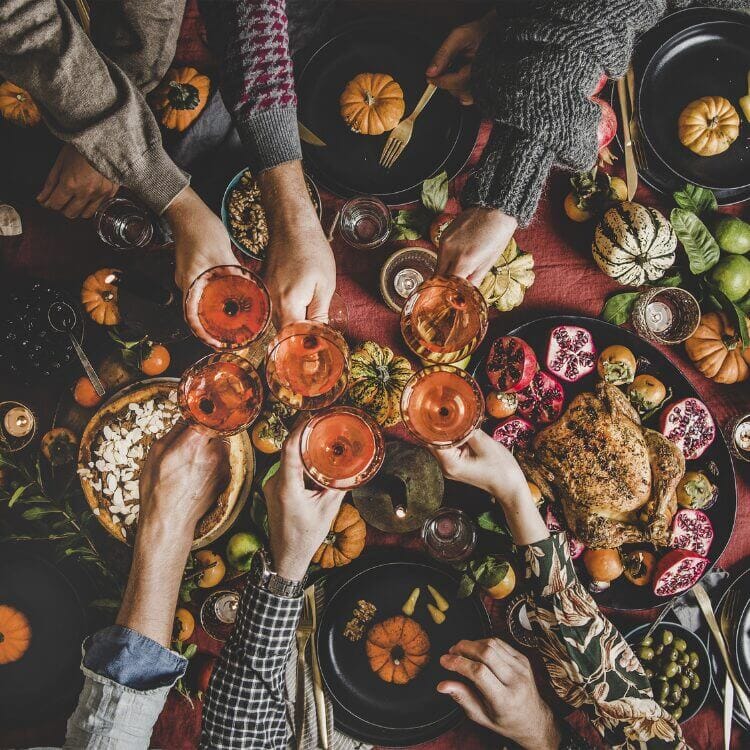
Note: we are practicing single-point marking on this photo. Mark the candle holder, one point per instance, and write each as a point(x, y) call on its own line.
point(403, 272)
point(218, 613)
point(365, 222)
point(17, 426)
point(666, 315)
point(738, 430)
point(450, 535)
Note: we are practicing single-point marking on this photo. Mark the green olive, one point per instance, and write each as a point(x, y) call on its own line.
point(670, 670)
point(680, 644)
point(694, 660)
point(688, 673)
point(649, 641)
point(684, 660)
point(672, 654)
point(695, 683)
point(684, 700)
point(667, 637)
point(659, 650)
point(663, 692)
point(663, 701)
point(650, 673)
point(645, 653)
point(677, 714)
point(675, 692)
point(684, 682)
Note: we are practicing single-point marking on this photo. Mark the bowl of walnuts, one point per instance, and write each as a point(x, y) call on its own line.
point(244, 217)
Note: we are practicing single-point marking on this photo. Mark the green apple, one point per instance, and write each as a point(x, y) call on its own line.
point(241, 548)
point(732, 234)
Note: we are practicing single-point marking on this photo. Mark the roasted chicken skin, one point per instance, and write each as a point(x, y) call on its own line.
point(615, 480)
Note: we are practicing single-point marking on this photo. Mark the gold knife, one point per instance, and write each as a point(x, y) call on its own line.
point(320, 698)
point(631, 173)
point(308, 136)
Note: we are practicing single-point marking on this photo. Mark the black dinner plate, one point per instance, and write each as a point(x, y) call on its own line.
point(742, 643)
point(444, 134)
point(718, 671)
point(705, 59)
point(365, 707)
point(657, 174)
point(622, 595)
point(47, 677)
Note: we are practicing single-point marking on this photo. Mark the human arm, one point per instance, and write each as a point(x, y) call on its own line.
point(245, 703)
point(250, 39)
point(589, 663)
point(128, 667)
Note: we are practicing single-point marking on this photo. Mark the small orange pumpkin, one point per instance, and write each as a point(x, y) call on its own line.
point(716, 350)
point(372, 103)
point(397, 649)
point(15, 634)
point(345, 541)
point(99, 297)
point(17, 105)
point(181, 97)
point(709, 125)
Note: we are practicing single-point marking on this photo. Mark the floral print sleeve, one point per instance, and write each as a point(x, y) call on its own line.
point(590, 665)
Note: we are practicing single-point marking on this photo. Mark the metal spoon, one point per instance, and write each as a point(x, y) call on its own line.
point(62, 317)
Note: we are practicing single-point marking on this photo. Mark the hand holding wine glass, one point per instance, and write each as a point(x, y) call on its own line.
point(298, 519)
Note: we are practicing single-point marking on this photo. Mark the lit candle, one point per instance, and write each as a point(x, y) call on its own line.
point(659, 316)
point(18, 422)
point(742, 435)
point(406, 281)
point(225, 607)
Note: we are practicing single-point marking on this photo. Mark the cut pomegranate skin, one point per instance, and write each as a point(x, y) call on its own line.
point(689, 425)
point(542, 400)
point(511, 364)
point(677, 571)
point(692, 529)
point(571, 353)
point(577, 547)
point(514, 432)
point(552, 522)
point(600, 84)
point(607, 126)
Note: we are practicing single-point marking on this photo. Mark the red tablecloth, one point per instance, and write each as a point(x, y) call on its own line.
point(568, 281)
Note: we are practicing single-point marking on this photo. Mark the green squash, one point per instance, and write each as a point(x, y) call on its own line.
point(634, 244)
point(376, 380)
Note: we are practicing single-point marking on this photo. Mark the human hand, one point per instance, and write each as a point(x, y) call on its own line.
point(462, 43)
point(201, 241)
point(300, 270)
point(183, 475)
point(74, 187)
point(298, 519)
point(503, 696)
point(473, 242)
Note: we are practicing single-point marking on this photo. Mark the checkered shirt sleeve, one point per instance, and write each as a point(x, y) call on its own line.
point(245, 704)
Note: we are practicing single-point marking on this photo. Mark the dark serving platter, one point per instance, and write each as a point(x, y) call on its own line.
point(367, 708)
point(657, 174)
point(47, 678)
point(705, 59)
point(444, 134)
point(622, 595)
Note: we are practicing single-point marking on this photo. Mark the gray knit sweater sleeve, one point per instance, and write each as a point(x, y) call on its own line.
point(533, 75)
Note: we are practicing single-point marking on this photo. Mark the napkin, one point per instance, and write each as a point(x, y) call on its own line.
point(686, 609)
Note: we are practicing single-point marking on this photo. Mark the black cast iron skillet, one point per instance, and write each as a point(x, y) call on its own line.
point(622, 594)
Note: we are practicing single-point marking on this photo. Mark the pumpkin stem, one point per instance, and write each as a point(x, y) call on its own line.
point(369, 98)
point(713, 122)
point(730, 342)
point(183, 95)
point(383, 373)
point(330, 538)
point(2, 637)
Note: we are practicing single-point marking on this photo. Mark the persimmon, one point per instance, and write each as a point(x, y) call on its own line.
point(84, 393)
point(213, 566)
point(156, 360)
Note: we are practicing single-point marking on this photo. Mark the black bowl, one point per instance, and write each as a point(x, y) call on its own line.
point(694, 643)
point(622, 594)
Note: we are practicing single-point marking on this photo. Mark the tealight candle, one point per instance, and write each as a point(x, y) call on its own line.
point(18, 421)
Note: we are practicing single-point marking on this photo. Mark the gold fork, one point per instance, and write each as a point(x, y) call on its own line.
point(304, 632)
point(401, 134)
point(636, 137)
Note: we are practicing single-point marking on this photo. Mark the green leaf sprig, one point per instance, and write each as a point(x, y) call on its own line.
point(415, 223)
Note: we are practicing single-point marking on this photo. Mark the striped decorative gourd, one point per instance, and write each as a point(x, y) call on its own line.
point(634, 244)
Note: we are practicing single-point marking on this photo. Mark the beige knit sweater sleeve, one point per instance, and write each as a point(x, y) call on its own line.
point(85, 99)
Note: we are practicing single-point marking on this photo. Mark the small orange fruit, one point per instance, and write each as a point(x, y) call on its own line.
point(184, 624)
point(500, 405)
point(213, 568)
point(504, 587)
point(574, 211)
point(156, 361)
point(84, 393)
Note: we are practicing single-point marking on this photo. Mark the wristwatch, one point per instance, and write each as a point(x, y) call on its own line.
point(264, 578)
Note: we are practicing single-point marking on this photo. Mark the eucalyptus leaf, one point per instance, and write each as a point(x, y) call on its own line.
point(16, 496)
point(489, 522)
point(701, 248)
point(190, 651)
point(410, 225)
point(698, 200)
point(744, 304)
point(617, 309)
point(465, 587)
point(672, 280)
point(435, 193)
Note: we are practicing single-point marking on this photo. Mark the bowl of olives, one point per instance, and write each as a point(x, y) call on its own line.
point(676, 663)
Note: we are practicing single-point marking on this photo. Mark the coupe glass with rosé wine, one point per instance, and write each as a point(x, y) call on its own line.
point(228, 307)
point(342, 447)
point(221, 393)
point(307, 365)
point(444, 320)
point(442, 405)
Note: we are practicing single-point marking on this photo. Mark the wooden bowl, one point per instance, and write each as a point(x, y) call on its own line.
point(228, 505)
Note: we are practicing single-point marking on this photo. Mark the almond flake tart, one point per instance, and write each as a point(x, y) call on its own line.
point(114, 447)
